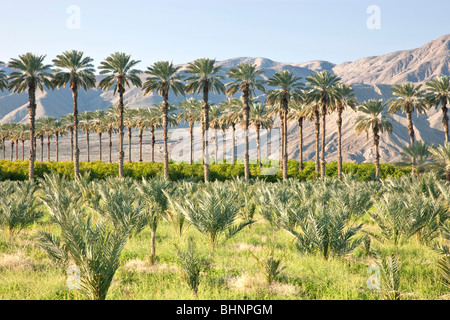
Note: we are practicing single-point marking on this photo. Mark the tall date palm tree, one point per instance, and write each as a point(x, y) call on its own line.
point(164, 78)
point(323, 86)
point(373, 118)
point(120, 73)
point(245, 79)
point(77, 71)
point(30, 74)
point(204, 77)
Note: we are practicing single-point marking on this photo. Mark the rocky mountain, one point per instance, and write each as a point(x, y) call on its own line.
point(370, 77)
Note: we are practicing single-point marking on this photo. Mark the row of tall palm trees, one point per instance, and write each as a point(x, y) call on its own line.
point(140, 119)
point(289, 98)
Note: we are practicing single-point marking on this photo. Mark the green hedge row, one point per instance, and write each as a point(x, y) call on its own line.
point(18, 170)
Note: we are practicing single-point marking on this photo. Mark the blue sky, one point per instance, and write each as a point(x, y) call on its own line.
point(181, 31)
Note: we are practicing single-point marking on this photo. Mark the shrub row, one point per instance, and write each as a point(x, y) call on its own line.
point(18, 170)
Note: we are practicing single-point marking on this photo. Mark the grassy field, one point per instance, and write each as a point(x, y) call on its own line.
point(230, 272)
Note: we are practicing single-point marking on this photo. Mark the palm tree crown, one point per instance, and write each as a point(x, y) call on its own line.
point(439, 95)
point(3, 78)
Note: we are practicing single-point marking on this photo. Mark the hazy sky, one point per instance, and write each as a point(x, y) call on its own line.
point(181, 31)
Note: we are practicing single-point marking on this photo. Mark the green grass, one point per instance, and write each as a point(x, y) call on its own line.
point(229, 273)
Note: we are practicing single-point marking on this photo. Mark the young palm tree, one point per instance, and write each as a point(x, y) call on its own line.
point(86, 124)
point(153, 117)
point(19, 208)
point(142, 123)
point(68, 124)
point(260, 119)
point(155, 206)
point(441, 155)
point(31, 74)
point(299, 111)
point(214, 213)
point(119, 69)
point(409, 99)
point(323, 91)
point(289, 90)
point(439, 95)
point(374, 119)
point(129, 121)
point(344, 98)
point(24, 134)
point(13, 137)
point(163, 79)
point(3, 136)
point(419, 151)
point(48, 126)
point(204, 77)
point(98, 124)
point(233, 107)
point(216, 113)
point(77, 71)
point(245, 80)
point(111, 122)
point(40, 133)
point(60, 130)
point(190, 111)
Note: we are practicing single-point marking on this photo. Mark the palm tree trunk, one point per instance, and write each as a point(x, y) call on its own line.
point(100, 146)
point(110, 144)
point(224, 146)
point(87, 145)
point(317, 130)
point(285, 156)
point(12, 151)
point(17, 149)
point(246, 94)
point(141, 132)
point(48, 148)
point(323, 161)
point(191, 134)
point(258, 144)
point(42, 148)
point(57, 146)
point(120, 107)
point(153, 142)
point(32, 116)
point(445, 121)
point(282, 139)
point(4, 148)
point(71, 144)
point(339, 128)
point(205, 132)
point(129, 144)
point(23, 150)
point(233, 125)
point(165, 127)
point(376, 143)
point(76, 164)
point(300, 143)
point(411, 138)
point(216, 146)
